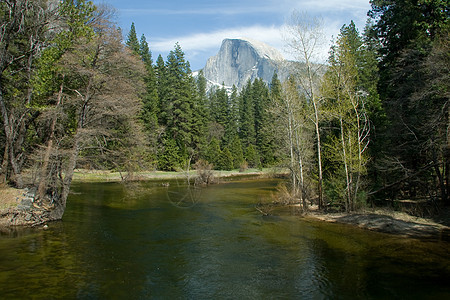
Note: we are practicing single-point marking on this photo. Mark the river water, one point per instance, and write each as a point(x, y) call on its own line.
point(149, 241)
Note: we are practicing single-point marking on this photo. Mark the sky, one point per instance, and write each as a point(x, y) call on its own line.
point(199, 26)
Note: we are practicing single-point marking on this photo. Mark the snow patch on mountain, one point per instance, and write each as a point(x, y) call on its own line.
point(264, 50)
point(241, 60)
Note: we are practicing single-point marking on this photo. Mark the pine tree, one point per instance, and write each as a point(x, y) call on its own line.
point(214, 154)
point(252, 157)
point(150, 101)
point(233, 112)
point(227, 160)
point(132, 40)
point(183, 123)
point(236, 151)
point(264, 139)
point(247, 116)
point(200, 117)
point(169, 158)
point(219, 107)
point(162, 89)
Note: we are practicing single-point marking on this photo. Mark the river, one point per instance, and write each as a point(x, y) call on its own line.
point(147, 240)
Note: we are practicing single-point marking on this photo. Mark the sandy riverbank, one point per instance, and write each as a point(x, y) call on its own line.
point(392, 222)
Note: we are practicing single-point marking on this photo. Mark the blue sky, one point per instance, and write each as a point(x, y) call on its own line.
point(201, 25)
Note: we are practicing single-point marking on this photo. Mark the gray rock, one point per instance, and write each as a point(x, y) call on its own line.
point(25, 204)
point(241, 60)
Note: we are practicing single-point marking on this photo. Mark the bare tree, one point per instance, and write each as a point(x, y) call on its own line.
point(99, 108)
point(304, 38)
point(291, 111)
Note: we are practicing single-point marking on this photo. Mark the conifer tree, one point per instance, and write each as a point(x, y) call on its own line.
point(200, 118)
point(247, 116)
point(162, 89)
point(264, 138)
point(132, 40)
point(150, 102)
point(219, 107)
point(179, 102)
point(214, 154)
point(169, 158)
point(252, 156)
point(227, 160)
point(236, 151)
point(233, 112)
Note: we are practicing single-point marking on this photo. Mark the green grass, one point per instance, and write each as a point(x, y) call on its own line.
point(105, 176)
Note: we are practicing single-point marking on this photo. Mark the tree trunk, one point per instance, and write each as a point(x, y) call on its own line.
point(44, 169)
point(61, 201)
point(300, 165)
point(319, 154)
point(291, 149)
point(348, 199)
point(9, 133)
point(4, 167)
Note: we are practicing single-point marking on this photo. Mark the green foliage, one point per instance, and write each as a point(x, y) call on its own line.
point(252, 156)
point(396, 76)
point(169, 158)
point(227, 160)
point(219, 106)
point(78, 16)
point(345, 106)
point(178, 99)
point(133, 42)
point(405, 32)
point(236, 151)
point(247, 116)
point(214, 153)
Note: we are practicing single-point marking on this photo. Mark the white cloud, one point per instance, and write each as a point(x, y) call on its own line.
point(201, 45)
point(212, 40)
point(207, 44)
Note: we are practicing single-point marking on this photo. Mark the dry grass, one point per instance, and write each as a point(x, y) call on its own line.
point(9, 196)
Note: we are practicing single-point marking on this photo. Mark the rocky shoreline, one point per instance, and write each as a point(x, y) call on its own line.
point(396, 223)
point(27, 212)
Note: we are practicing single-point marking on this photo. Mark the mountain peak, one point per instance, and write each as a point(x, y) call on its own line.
point(263, 49)
point(241, 60)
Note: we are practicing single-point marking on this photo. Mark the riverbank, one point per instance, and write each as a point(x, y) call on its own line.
point(81, 175)
point(18, 208)
point(392, 222)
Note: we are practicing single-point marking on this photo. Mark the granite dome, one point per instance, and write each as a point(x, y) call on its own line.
point(241, 60)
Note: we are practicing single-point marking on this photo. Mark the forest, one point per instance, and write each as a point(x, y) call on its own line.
point(370, 125)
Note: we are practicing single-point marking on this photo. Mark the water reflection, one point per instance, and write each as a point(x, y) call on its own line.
point(147, 240)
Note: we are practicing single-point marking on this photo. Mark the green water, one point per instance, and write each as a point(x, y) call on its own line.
point(145, 240)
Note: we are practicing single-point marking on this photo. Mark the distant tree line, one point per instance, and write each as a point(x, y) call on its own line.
point(372, 123)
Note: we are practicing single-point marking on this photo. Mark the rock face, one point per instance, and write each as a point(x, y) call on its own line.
point(240, 60)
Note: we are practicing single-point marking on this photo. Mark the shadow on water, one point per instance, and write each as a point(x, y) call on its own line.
point(153, 240)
